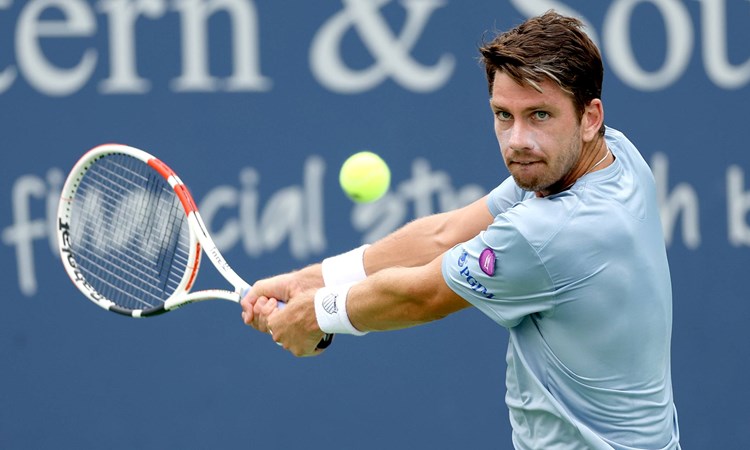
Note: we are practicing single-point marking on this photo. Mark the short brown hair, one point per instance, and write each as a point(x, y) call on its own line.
point(550, 46)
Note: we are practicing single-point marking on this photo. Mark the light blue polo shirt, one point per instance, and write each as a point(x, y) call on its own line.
point(581, 281)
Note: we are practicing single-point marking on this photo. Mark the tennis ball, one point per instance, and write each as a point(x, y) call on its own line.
point(365, 177)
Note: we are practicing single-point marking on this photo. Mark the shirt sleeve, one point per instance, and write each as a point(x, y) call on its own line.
point(501, 274)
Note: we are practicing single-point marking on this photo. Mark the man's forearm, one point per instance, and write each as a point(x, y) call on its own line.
point(402, 297)
point(421, 241)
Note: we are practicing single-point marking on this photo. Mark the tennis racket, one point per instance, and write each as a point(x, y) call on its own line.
point(130, 235)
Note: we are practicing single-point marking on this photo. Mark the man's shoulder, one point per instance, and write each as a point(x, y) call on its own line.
point(539, 220)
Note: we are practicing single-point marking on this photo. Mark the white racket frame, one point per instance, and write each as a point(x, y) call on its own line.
point(199, 238)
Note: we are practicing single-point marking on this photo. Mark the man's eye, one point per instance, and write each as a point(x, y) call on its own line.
point(503, 115)
point(541, 115)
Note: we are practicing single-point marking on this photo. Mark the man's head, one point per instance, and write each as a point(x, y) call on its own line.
point(545, 79)
point(551, 47)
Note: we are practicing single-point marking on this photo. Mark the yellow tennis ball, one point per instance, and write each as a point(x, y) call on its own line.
point(365, 177)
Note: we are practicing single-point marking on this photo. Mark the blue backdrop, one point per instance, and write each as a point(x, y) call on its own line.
point(256, 104)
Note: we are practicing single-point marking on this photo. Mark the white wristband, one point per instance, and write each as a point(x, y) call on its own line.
point(345, 268)
point(330, 311)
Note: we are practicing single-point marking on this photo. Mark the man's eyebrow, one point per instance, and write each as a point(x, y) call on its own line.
point(534, 107)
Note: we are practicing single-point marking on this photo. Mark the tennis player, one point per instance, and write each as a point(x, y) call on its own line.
point(567, 254)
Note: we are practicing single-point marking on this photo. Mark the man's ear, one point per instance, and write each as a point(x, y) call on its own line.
point(592, 120)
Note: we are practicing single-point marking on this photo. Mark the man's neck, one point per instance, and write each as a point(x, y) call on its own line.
point(594, 156)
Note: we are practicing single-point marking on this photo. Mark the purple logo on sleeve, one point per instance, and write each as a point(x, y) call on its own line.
point(487, 261)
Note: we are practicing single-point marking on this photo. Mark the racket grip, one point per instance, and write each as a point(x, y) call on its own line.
point(325, 342)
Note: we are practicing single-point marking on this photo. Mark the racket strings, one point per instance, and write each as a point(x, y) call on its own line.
point(129, 232)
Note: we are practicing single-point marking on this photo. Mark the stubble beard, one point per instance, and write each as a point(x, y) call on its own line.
point(555, 171)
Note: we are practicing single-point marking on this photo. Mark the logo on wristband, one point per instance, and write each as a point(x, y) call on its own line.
point(329, 303)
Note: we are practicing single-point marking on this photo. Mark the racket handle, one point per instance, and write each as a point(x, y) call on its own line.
point(325, 342)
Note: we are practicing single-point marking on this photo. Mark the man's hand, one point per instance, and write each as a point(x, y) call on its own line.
point(280, 287)
point(257, 299)
point(294, 326)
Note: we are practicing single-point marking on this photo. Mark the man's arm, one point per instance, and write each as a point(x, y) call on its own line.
point(394, 298)
point(402, 297)
point(413, 245)
point(423, 239)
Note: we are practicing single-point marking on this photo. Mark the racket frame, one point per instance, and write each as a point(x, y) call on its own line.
point(199, 239)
